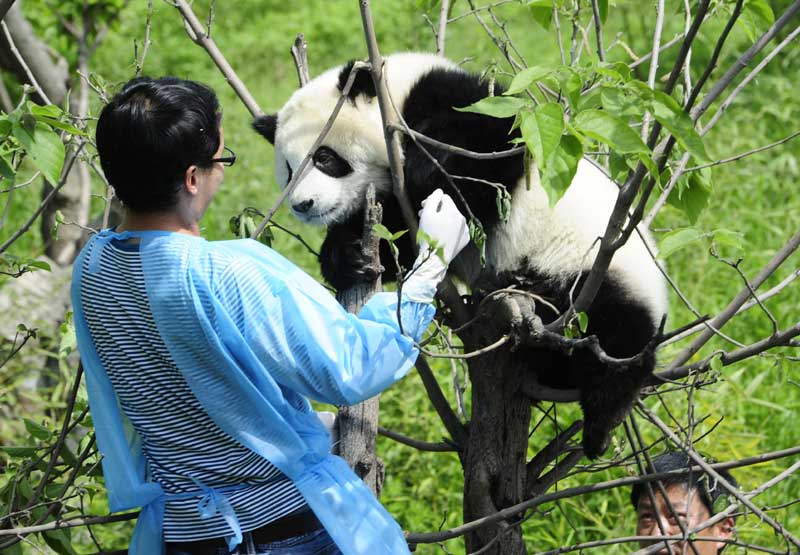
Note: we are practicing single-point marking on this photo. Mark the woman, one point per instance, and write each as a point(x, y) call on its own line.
point(200, 356)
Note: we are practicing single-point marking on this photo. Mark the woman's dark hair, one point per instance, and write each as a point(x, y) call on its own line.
point(707, 487)
point(150, 133)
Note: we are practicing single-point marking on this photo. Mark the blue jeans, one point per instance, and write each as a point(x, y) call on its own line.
point(317, 542)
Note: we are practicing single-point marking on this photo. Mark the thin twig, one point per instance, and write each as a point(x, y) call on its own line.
point(415, 443)
point(707, 468)
point(598, 31)
point(514, 510)
point(440, 34)
point(73, 156)
point(21, 60)
point(199, 36)
point(651, 76)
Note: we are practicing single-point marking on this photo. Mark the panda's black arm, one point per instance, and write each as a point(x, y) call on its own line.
point(473, 132)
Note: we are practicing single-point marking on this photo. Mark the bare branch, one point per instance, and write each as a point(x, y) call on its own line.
point(299, 53)
point(449, 418)
point(651, 76)
point(139, 60)
point(716, 475)
point(748, 305)
point(736, 303)
point(598, 31)
point(199, 36)
point(72, 157)
point(514, 510)
point(440, 34)
point(744, 59)
point(31, 77)
point(415, 443)
point(303, 167)
point(5, 5)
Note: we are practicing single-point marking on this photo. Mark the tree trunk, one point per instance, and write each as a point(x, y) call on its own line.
point(358, 424)
point(495, 458)
point(53, 77)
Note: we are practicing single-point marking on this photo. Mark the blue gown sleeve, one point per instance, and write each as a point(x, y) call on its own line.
point(309, 343)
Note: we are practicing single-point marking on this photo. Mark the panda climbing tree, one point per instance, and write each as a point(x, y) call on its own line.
point(561, 295)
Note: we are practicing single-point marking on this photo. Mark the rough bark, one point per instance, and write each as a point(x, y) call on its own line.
point(54, 78)
point(495, 458)
point(358, 424)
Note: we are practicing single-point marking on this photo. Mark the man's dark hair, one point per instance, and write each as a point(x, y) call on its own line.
point(150, 133)
point(707, 487)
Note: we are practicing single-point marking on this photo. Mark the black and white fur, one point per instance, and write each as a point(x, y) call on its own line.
point(540, 248)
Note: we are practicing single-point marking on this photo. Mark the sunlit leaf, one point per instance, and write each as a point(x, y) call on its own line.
point(609, 130)
point(526, 78)
point(496, 106)
point(669, 113)
point(541, 130)
point(678, 239)
point(561, 167)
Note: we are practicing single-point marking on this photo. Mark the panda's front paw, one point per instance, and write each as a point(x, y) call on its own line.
point(343, 262)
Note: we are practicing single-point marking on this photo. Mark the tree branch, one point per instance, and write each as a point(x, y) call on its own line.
point(198, 34)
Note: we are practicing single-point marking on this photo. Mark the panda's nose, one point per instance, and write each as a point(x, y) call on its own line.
point(303, 207)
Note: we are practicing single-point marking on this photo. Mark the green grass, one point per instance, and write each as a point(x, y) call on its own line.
point(756, 399)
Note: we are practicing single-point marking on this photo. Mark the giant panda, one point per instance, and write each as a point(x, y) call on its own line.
point(542, 249)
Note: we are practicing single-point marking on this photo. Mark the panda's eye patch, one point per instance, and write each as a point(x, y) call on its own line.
point(330, 163)
point(289, 169)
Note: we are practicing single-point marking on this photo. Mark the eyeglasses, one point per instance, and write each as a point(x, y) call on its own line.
point(226, 160)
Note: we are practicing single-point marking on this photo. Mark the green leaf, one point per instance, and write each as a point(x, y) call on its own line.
point(382, 231)
point(621, 102)
point(757, 16)
point(677, 240)
point(609, 130)
point(44, 147)
point(526, 78)
point(692, 193)
point(15, 549)
point(583, 321)
point(541, 130)
point(69, 128)
point(542, 12)
point(5, 126)
point(478, 237)
point(7, 171)
point(562, 167)
point(728, 238)
point(399, 234)
point(19, 450)
point(602, 7)
point(59, 541)
point(716, 364)
point(47, 111)
point(39, 265)
point(503, 203)
point(495, 106)
point(36, 430)
point(669, 113)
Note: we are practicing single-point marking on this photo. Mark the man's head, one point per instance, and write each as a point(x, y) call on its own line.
point(692, 497)
point(151, 133)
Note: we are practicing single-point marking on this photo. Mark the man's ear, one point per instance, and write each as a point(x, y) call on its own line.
point(266, 126)
point(725, 529)
point(190, 180)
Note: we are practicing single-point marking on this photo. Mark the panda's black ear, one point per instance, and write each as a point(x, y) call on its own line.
point(362, 84)
point(266, 125)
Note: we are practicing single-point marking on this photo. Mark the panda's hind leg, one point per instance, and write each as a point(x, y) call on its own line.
point(625, 328)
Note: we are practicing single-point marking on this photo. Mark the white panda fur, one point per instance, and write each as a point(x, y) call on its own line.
point(547, 247)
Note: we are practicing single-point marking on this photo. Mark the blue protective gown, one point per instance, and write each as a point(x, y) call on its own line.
point(254, 335)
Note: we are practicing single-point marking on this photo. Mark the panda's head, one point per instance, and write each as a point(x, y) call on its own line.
point(353, 153)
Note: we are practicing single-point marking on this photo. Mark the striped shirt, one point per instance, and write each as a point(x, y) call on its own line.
point(181, 443)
